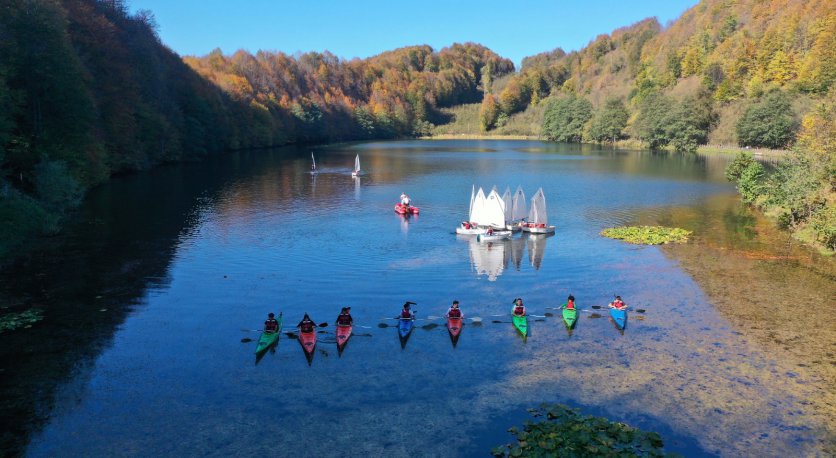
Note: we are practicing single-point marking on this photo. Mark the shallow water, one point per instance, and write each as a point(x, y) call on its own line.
point(146, 296)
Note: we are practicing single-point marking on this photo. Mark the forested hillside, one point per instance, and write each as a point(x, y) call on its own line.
point(708, 67)
point(87, 90)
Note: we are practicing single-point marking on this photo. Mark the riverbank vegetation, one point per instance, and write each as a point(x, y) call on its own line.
point(800, 191)
point(647, 235)
point(566, 432)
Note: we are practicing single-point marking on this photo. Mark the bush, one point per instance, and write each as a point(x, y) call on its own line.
point(750, 185)
point(56, 187)
point(768, 123)
point(736, 167)
point(823, 224)
point(565, 118)
point(609, 122)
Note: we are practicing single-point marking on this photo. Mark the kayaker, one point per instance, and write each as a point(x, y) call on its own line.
point(519, 308)
point(306, 325)
point(344, 318)
point(570, 303)
point(618, 304)
point(271, 325)
point(406, 313)
point(454, 311)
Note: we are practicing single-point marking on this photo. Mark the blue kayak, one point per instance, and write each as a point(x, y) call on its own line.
point(620, 317)
point(405, 327)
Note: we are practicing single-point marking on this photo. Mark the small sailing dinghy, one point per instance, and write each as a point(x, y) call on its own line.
point(508, 201)
point(494, 219)
point(538, 219)
point(477, 205)
point(313, 165)
point(356, 172)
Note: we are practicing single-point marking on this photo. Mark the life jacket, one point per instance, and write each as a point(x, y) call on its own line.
point(271, 325)
point(618, 304)
point(454, 313)
point(570, 305)
point(519, 310)
point(406, 313)
point(344, 319)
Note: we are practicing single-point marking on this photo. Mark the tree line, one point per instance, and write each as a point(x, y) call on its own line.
point(87, 90)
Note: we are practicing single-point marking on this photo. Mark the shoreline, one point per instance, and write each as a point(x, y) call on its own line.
point(725, 150)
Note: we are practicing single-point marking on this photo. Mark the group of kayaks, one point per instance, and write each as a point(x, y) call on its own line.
point(406, 325)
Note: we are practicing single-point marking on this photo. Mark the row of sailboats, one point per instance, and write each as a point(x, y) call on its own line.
point(494, 217)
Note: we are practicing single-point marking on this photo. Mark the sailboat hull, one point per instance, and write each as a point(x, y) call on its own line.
point(538, 229)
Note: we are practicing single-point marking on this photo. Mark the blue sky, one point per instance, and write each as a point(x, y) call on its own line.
point(363, 28)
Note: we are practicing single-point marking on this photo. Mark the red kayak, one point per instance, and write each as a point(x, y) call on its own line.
point(454, 325)
point(402, 209)
point(343, 334)
point(308, 341)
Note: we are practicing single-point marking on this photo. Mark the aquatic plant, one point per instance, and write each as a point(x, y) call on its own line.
point(647, 235)
point(12, 321)
point(565, 432)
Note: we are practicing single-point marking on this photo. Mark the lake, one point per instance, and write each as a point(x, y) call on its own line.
point(150, 290)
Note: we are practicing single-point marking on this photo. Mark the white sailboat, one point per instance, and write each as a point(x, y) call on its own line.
point(356, 172)
point(494, 219)
point(477, 204)
point(519, 209)
point(538, 219)
point(313, 164)
point(508, 201)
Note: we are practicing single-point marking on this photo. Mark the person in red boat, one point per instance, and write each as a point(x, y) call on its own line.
point(454, 311)
point(307, 325)
point(344, 318)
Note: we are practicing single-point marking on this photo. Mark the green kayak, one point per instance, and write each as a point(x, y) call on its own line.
point(570, 316)
point(268, 339)
point(521, 323)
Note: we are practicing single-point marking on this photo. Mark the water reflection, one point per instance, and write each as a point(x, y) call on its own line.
point(488, 258)
point(537, 248)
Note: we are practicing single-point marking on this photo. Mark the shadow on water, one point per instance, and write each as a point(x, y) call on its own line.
point(89, 278)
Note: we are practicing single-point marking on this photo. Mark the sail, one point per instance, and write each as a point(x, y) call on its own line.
point(494, 211)
point(313, 160)
point(509, 205)
point(537, 214)
point(477, 213)
point(519, 210)
point(472, 198)
point(357, 164)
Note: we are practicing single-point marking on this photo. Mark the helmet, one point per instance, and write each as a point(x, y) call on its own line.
point(270, 315)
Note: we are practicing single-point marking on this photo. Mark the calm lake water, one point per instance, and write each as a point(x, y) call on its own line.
point(148, 294)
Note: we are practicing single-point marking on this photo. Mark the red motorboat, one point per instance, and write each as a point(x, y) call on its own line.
point(402, 209)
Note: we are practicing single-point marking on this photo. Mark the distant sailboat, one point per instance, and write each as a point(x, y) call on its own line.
point(494, 219)
point(356, 172)
point(508, 201)
point(313, 164)
point(519, 210)
point(538, 219)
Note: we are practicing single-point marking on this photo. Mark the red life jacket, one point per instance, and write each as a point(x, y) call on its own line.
point(406, 313)
point(570, 305)
point(519, 310)
point(271, 325)
point(454, 313)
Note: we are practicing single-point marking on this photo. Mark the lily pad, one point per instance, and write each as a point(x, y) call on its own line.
point(647, 235)
point(571, 433)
